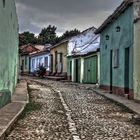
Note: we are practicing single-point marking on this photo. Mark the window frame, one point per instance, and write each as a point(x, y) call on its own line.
point(116, 58)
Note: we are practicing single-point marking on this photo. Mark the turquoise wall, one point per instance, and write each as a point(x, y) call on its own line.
point(118, 40)
point(8, 49)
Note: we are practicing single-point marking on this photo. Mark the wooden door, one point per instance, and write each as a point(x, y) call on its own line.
point(90, 70)
point(77, 70)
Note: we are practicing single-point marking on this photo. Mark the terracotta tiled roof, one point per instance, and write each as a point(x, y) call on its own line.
point(27, 49)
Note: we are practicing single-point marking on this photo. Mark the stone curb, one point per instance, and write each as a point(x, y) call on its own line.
point(130, 104)
point(7, 129)
point(22, 104)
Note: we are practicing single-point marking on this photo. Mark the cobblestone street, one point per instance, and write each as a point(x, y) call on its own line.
point(72, 112)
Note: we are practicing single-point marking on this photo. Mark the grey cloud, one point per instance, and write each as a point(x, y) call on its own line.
point(65, 14)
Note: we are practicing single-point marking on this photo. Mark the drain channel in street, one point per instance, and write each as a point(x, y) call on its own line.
point(72, 126)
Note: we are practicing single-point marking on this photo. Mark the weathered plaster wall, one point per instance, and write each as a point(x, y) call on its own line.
point(8, 50)
point(82, 70)
point(62, 48)
point(98, 54)
point(73, 78)
point(136, 74)
point(137, 61)
point(117, 40)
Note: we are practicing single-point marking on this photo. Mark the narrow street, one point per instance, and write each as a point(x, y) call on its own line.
point(69, 111)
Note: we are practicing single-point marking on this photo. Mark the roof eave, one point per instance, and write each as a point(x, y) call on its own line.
point(56, 45)
point(124, 5)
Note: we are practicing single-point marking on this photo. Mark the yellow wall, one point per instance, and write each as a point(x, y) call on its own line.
point(62, 48)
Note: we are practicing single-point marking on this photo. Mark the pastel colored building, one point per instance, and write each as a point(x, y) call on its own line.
point(58, 59)
point(83, 57)
point(24, 59)
point(120, 51)
point(40, 58)
point(8, 50)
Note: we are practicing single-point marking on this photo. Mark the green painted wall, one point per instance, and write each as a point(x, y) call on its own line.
point(117, 40)
point(8, 50)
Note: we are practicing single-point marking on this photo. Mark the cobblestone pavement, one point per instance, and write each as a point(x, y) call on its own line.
point(48, 123)
point(95, 117)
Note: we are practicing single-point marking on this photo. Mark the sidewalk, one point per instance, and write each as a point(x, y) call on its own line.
point(130, 104)
point(10, 113)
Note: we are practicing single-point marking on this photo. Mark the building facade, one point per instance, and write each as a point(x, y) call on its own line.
point(40, 58)
point(58, 59)
point(83, 57)
point(24, 57)
point(8, 50)
point(84, 68)
point(117, 44)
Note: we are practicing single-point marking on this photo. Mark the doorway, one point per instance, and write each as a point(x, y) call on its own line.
point(22, 66)
point(90, 70)
point(51, 63)
point(126, 71)
point(111, 71)
point(77, 70)
point(70, 63)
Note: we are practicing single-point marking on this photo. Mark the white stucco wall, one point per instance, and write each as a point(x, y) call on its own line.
point(84, 43)
point(82, 70)
point(72, 70)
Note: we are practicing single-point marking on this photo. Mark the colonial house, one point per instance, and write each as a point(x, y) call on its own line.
point(120, 51)
point(24, 59)
point(83, 57)
point(58, 59)
point(41, 57)
point(8, 50)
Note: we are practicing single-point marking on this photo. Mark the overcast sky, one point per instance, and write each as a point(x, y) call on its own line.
point(65, 14)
